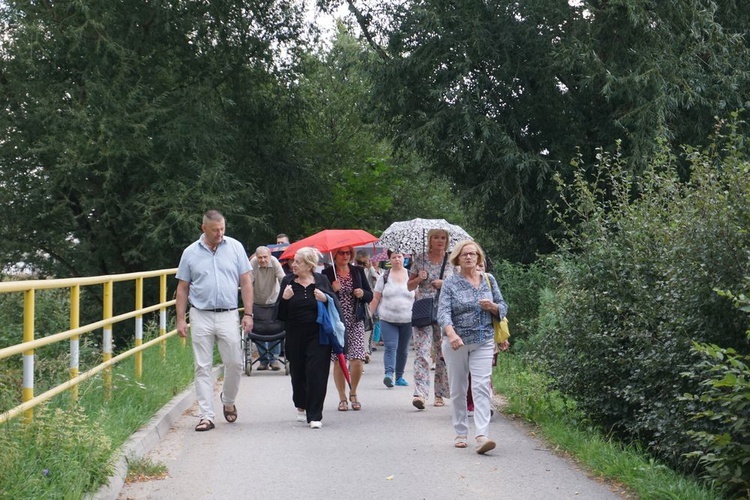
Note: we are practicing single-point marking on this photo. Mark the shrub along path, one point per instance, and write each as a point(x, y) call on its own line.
point(387, 450)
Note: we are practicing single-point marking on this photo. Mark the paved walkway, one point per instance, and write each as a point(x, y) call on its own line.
point(386, 450)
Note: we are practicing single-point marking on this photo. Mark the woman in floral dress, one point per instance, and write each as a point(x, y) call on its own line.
point(354, 293)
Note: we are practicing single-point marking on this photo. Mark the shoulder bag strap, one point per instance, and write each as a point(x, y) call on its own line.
point(442, 269)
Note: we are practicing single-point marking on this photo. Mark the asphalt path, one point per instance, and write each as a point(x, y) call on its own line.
point(387, 450)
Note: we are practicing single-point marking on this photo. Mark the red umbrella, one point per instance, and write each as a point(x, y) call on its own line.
point(344, 369)
point(330, 239)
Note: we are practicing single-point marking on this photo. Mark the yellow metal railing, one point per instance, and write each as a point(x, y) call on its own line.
point(29, 344)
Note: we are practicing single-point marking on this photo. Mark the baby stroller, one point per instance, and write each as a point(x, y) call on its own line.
point(265, 329)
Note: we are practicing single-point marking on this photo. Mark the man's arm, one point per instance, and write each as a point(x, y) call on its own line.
point(246, 288)
point(183, 288)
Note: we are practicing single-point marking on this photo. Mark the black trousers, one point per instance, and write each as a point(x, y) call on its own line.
point(310, 365)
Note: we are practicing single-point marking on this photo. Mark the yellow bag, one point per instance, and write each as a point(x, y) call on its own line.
point(502, 332)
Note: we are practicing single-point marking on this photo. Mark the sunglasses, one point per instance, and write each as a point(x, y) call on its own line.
point(346, 252)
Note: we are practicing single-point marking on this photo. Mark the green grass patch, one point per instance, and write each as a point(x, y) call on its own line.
point(69, 449)
point(561, 424)
point(145, 469)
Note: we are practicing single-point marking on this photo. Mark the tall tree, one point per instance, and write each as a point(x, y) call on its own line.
point(356, 181)
point(499, 94)
point(125, 120)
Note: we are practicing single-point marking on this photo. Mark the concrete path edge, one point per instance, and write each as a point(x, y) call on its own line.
point(144, 440)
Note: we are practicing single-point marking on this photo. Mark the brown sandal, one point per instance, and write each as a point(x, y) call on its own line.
point(204, 425)
point(343, 405)
point(356, 405)
point(439, 401)
point(230, 415)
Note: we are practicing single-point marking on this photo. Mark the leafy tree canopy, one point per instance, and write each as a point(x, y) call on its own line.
point(499, 95)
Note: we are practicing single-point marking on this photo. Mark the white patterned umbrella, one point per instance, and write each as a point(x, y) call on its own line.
point(410, 236)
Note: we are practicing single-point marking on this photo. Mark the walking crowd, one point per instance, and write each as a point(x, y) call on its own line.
point(443, 305)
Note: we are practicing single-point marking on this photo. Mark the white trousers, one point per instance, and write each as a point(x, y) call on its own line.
point(224, 329)
point(474, 359)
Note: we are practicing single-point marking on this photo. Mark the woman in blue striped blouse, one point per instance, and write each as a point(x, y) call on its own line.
point(467, 304)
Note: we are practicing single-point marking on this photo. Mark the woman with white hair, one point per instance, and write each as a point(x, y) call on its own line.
point(309, 360)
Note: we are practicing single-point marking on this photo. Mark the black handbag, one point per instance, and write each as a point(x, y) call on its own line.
point(424, 311)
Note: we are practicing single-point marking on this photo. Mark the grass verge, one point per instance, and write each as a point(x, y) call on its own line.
point(69, 449)
point(557, 420)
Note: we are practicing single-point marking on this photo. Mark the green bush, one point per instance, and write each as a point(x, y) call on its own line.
point(520, 285)
point(634, 289)
point(724, 379)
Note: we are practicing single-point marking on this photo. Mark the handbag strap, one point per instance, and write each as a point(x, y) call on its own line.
point(442, 269)
point(489, 285)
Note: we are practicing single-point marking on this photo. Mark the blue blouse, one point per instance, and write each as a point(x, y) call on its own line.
point(459, 307)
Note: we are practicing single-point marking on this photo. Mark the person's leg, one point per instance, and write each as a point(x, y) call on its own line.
point(442, 387)
point(339, 380)
point(422, 346)
point(262, 355)
point(376, 332)
point(318, 368)
point(275, 352)
point(402, 351)
point(201, 333)
point(458, 373)
point(229, 343)
point(356, 367)
point(480, 366)
point(389, 333)
point(295, 354)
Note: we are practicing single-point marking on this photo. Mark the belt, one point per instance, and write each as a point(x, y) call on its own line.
point(218, 310)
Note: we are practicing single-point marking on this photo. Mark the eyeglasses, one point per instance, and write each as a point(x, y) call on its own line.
point(346, 252)
point(469, 255)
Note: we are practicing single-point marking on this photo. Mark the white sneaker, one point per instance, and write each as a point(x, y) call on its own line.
point(316, 424)
point(301, 416)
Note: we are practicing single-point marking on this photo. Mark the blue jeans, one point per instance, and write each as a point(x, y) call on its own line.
point(376, 332)
point(396, 337)
point(266, 355)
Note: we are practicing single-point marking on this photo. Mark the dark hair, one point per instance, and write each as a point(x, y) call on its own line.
point(394, 251)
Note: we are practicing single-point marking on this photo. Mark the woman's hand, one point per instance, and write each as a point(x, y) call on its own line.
point(504, 346)
point(336, 286)
point(320, 296)
point(423, 275)
point(455, 341)
point(358, 292)
point(488, 305)
point(437, 284)
point(288, 292)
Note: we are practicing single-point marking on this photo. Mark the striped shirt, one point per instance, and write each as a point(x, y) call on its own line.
point(459, 307)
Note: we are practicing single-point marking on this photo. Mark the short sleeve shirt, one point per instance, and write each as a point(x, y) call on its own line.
point(214, 277)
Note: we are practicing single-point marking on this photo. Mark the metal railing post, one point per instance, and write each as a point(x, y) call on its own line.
point(27, 392)
point(75, 321)
point(138, 327)
point(163, 314)
point(107, 338)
